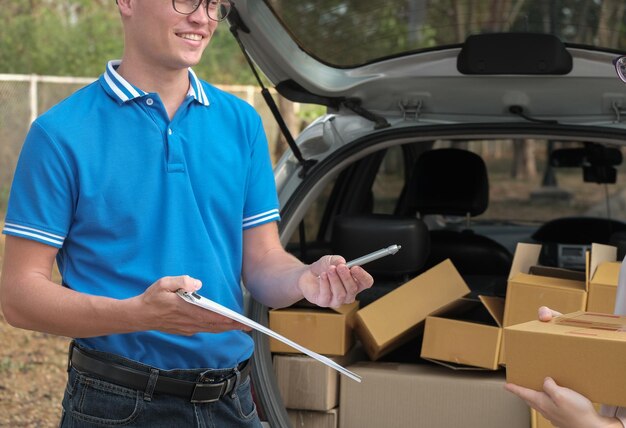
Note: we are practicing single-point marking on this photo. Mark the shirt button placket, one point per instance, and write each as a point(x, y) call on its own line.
point(175, 161)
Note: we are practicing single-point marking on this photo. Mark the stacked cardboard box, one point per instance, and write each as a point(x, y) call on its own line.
point(580, 350)
point(460, 341)
point(602, 276)
point(456, 338)
point(325, 331)
point(560, 289)
point(531, 286)
point(401, 394)
point(306, 419)
point(310, 390)
point(305, 384)
point(424, 395)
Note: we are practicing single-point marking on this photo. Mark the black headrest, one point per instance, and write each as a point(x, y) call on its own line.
point(514, 53)
point(451, 182)
point(355, 236)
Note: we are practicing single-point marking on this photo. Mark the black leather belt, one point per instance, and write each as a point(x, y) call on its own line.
point(196, 392)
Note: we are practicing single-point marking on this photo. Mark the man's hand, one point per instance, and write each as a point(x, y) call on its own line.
point(563, 407)
point(165, 311)
point(330, 283)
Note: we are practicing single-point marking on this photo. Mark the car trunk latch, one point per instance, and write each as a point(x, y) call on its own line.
point(411, 110)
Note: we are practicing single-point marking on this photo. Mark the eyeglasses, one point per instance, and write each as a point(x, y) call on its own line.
point(620, 67)
point(217, 10)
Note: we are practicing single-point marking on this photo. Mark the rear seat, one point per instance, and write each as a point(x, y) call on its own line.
point(454, 182)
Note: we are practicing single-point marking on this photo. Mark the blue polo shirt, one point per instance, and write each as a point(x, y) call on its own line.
point(129, 197)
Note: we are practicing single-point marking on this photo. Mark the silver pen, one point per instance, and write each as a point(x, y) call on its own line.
point(392, 249)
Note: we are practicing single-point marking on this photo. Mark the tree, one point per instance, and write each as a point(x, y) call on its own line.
point(78, 37)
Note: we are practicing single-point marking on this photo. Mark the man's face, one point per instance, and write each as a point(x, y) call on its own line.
point(160, 37)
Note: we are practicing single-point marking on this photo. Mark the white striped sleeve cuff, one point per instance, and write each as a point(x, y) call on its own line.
point(258, 219)
point(33, 234)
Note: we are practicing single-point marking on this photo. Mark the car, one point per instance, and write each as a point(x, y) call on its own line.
point(458, 129)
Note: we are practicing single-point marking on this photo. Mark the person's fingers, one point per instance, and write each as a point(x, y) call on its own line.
point(349, 283)
point(532, 397)
point(553, 390)
point(363, 279)
point(335, 260)
point(324, 293)
point(546, 314)
point(324, 263)
point(337, 289)
point(184, 282)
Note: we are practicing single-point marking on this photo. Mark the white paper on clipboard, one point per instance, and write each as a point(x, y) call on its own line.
point(205, 303)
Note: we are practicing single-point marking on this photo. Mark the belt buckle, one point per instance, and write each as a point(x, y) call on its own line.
point(199, 386)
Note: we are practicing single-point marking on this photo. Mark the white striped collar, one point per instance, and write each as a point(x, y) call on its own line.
point(123, 91)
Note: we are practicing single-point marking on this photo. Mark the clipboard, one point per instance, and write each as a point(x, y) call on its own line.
point(203, 302)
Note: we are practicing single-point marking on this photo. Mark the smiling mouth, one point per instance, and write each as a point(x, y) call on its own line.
point(189, 36)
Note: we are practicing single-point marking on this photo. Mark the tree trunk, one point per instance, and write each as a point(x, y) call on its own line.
point(611, 13)
point(524, 162)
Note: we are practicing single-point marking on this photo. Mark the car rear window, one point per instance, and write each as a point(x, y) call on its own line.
point(349, 33)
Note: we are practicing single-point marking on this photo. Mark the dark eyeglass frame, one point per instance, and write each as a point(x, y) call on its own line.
point(620, 67)
point(226, 4)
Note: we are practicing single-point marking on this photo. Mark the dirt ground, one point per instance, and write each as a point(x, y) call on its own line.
point(32, 375)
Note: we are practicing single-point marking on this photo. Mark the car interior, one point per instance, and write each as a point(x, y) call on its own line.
point(432, 190)
point(431, 200)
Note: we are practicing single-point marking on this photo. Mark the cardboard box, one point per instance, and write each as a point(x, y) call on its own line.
point(325, 331)
point(602, 276)
point(470, 335)
point(307, 419)
point(583, 351)
point(306, 384)
point(526, 292)
point(538, 421)
point(395, 318)
point(425, 395)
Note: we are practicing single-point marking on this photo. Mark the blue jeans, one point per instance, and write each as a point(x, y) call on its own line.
point(92, 402)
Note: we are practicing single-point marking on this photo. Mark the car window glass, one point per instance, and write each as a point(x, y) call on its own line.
point(523, 188)
point(314, 215)
point(388, 182)
point(349, 33)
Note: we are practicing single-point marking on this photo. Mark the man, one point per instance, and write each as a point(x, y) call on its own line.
point(143, 183)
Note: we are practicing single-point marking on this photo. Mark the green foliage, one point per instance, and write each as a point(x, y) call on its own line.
point(223, 62)
point(71, 37)
point(309, 112)
point(78, 37)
